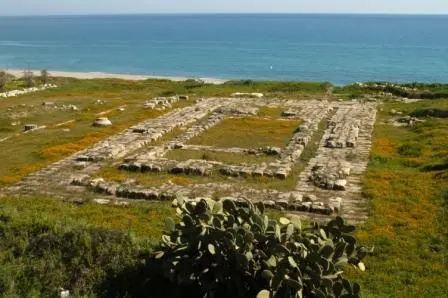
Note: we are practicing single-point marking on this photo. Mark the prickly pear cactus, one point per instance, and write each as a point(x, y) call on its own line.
point(225, 250)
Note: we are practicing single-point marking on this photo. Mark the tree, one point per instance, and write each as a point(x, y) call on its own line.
point(3, 80)
point(28, 77)
point(44, 76)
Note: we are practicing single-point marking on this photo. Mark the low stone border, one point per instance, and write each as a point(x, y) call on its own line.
point(306, 196)
point(292, 201)
point(280, 169)
point(14, 93)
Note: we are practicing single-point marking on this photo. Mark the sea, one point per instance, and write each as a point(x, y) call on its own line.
point(296, 47)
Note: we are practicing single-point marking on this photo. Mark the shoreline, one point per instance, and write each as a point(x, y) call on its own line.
point(104, 75)
point(89, 75)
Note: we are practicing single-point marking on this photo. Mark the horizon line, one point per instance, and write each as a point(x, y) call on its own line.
point(230, 13)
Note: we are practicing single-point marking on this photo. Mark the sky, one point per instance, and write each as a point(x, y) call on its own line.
point(51, 7)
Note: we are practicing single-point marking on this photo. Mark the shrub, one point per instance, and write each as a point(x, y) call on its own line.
point(205, 156)
point(167, 93)
point(235, 83)
point(441, 166)
point(3, 80)
point(437, 113)
point(410, 149)
point(192, 84)
point(221, 250)
point(44, 76)
point(36, 258)
point(28, 77)
point(247, 82)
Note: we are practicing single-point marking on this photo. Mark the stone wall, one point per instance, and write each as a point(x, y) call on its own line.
point(335, 171)
point(329, 184)
point(14, 93)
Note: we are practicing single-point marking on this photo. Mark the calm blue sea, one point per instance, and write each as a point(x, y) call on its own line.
point(336, 48)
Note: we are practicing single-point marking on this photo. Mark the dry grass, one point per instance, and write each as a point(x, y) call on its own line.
point(61, 150)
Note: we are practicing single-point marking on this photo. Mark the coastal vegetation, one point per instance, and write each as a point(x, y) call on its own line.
point(44, 76)
point(46, 244)
point(49, 243)
point(3, 80)
point(28, 78)
point(412, 90)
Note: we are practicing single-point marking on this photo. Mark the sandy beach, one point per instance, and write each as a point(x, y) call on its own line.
point(103, 75)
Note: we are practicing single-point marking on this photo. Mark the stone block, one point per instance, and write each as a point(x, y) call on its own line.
point(309, 198)
point(29, 127)
point(340, 184)
point(102, 122)
point(282, 173)
point(335, 204)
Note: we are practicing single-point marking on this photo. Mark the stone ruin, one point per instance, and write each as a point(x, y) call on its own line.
point(14, 93)
point(32, 127)
point(331, 175)
point(29, 127)
point(281, 168)
point(162, 103)
point(342, 132)
point(244, 94)
point(102, 122)
point(330, 183)
point(405, 121)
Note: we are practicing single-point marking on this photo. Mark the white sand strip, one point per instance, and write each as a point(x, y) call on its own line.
point(103, 75)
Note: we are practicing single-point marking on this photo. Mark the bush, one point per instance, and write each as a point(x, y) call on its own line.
point(37, 258)
point(221, 250)
point(437, 113)
point(241, 83)
point(192, 83)
point(441, 166)
point(28, 77)
point(3, 80)
point(167, 93)
point(410, 150)
point(44, 76)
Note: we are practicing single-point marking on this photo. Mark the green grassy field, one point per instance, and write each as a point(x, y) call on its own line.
point(268, 112)
point(248, 133)
point(23, 154)
point(408, 219)
point(47, 243)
